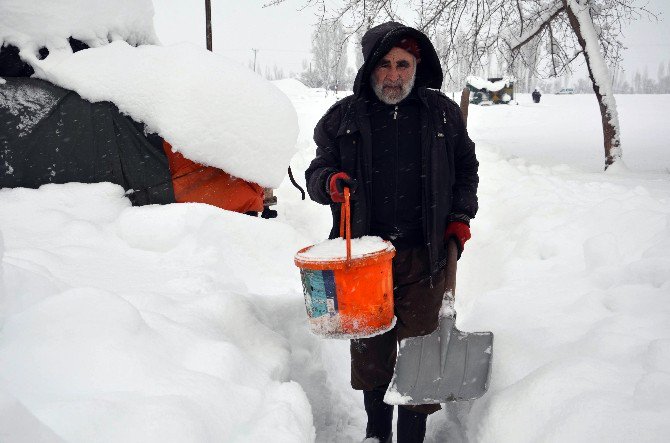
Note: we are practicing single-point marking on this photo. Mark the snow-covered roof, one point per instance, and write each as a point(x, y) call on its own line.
point(481, 83)
point(32, 24)
point(209, 108)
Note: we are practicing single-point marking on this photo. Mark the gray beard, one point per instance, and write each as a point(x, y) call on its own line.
point(393, 98)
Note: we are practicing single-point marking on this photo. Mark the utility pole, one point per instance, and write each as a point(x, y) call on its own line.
point(208, 23)
point(255, 52)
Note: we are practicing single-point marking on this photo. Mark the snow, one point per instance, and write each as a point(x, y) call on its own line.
point(47, 23)
point(187, 323)
point(540, 22)
point(481, 83)
point(567, 130)
point(598, 68)
point(27, 103)
point(209, 108)
point(142, 321)
point(336, 248)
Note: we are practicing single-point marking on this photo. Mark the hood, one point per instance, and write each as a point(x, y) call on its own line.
point(378, 41)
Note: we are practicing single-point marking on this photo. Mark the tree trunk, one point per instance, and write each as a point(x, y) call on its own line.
point(599, 75)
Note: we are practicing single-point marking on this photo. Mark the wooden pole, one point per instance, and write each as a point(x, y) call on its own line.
point(465, 102)
point(208, 23)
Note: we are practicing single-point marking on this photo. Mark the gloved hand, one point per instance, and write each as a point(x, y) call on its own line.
point(460, 231)
point(337, 183)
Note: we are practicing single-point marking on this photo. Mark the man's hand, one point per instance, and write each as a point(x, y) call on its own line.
point(337, 183)
point(460, 231)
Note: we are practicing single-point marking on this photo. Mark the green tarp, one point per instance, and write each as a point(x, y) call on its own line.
point(51, 135)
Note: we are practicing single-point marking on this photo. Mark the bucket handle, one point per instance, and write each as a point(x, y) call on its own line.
point(345, 222)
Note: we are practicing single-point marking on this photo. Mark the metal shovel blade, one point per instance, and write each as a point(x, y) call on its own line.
point(446, 365)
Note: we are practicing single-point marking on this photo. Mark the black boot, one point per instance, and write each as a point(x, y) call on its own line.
point(411, 426)
point(380, 416)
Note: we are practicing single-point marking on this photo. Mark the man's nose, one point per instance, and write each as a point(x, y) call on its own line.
point(393, 74)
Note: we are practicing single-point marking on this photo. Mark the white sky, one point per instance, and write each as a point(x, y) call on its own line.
point(282, 34)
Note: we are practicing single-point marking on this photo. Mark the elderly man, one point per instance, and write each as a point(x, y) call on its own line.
point(404, 152)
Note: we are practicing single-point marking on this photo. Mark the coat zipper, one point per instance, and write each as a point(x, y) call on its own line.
point(397, 165)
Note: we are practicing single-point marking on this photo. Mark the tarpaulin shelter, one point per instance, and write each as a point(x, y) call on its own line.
point(51, 135)
point(499, 90)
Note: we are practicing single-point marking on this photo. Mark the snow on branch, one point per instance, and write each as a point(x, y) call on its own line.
point(543, 20)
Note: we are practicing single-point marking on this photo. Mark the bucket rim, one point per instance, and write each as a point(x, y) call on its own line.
point(341, 262)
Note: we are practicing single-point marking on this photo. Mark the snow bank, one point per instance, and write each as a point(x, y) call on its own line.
point(140, 324)
point(31, 25)
point(291, 87)
point(209, 108)
point(571, 272)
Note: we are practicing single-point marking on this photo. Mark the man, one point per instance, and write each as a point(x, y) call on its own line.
point(536, 95)
point(404, 152)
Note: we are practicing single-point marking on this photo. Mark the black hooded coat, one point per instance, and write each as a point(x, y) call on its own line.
point(449, 166)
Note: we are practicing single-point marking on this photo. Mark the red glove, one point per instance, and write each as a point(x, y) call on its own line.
point(460, 231)
point(337, 183)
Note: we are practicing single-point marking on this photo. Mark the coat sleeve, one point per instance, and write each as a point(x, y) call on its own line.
point(327, 160)
point(465, 168)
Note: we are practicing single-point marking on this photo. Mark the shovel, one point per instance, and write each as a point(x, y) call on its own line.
point(446, 365)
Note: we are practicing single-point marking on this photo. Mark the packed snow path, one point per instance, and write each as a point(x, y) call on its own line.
point(186, 323)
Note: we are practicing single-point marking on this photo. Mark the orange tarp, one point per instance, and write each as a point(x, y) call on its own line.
point(196, 183)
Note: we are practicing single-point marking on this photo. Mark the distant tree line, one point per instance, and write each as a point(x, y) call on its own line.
point(642, 83)
point(622, 82)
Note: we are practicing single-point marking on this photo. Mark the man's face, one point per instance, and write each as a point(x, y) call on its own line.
point(393, 77)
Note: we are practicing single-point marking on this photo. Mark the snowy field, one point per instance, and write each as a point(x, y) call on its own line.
point(186, 323)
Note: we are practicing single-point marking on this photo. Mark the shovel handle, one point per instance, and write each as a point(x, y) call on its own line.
point(345, 222)
point(452, 260)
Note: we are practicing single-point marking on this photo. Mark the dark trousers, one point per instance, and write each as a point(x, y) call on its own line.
point(417, 306)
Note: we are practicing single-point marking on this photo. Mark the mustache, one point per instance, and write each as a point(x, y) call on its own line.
point(393, 84)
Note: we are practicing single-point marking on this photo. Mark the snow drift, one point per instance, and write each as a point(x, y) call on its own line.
point(130, 324)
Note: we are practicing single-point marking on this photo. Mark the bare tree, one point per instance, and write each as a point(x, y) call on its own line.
point(470, 32)
point(329, 50)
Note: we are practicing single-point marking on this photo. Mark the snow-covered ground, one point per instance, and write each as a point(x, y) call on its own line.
point(186, 323)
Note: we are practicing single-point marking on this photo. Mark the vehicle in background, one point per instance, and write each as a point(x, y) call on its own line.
point(566, 91)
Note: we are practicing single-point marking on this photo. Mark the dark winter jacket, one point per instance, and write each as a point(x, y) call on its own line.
point(396, 172)
point(448, 164)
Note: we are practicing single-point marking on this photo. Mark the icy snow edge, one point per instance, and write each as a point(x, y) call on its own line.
point(209, 108)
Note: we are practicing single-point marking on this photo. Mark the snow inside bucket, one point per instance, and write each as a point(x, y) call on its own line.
point(348, 298)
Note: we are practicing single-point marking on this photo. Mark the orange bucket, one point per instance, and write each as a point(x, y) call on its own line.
point(348, 297)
